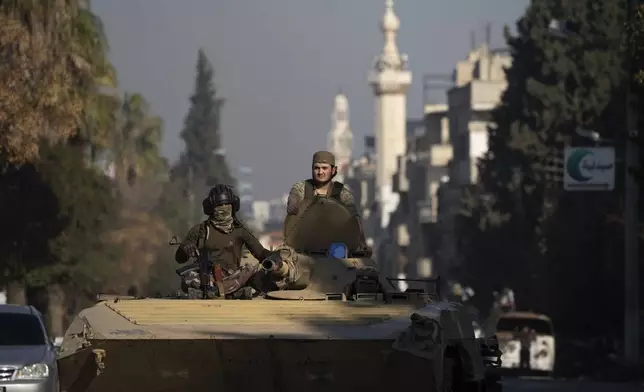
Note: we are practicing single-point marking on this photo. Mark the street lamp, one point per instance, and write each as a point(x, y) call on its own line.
point(592, 135)
point(564, 29)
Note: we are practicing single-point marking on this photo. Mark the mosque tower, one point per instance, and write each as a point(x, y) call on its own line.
point(390, 80)
point(340, 140)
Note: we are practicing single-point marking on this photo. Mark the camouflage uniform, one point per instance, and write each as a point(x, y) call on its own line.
point(296, 195)
point(220, 239)
point(299, 192)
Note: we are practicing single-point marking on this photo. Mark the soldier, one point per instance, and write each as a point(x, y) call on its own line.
point(526, 337)
point(218, 242)
point(321, 184)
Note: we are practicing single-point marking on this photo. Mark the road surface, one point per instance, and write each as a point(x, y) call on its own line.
point(538, 385)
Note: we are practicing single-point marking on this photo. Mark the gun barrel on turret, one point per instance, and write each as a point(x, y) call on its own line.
point(277, 268)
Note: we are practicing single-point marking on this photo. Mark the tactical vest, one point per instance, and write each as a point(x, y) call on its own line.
point(223, 243)
point(217, 242)
point(309, 190)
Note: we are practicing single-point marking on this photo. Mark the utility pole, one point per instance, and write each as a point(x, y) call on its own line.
point(631, 218)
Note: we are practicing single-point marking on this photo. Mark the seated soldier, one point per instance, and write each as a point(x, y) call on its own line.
point(321, 184)
point(218, 243)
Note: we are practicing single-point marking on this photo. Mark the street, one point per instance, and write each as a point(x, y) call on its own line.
point(533, 385)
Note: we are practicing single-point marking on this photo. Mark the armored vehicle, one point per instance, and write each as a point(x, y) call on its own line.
point(332, 323)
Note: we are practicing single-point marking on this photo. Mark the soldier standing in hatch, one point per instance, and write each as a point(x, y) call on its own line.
point(220, 239)
point(321, 184)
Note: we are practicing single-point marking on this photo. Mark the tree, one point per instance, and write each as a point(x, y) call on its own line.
point(636, 46)
point(135, 145)
point(201, 133)
point(53, 54)
point(519, 227)
point(203, 163)
point(90, 50)
point(60, 210)
point(140, 173)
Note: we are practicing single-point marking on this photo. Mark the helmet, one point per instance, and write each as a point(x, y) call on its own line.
point(220, 195)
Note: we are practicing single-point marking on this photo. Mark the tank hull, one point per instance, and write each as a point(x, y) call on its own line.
point(241, 365)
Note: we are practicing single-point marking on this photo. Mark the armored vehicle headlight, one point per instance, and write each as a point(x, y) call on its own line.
point(33, 372)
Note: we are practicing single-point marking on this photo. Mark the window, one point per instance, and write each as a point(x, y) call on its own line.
point(508, 324)
point(21, 330)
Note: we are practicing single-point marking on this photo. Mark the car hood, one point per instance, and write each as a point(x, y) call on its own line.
point(22, 355)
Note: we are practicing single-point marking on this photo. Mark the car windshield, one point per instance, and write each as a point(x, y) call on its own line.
point(21, 330)
point(508, 324)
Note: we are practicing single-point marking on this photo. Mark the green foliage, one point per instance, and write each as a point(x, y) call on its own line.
point(519, 228)
point(65, 222)
point(201, 132)
point(163, 279)
point(637, 52)
point(60, 209)
point(203, 163)
point(134, 147)
point(200, 166)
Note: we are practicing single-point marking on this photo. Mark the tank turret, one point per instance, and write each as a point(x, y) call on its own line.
point(320, 257)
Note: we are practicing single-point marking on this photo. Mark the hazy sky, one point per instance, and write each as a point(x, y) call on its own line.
point(279, 63)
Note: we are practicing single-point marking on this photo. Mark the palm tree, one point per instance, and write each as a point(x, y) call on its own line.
point(54, 57)
point(135, 144)
point(89, 51)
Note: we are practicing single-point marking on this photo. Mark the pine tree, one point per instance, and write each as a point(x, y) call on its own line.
point(203, 163)
point(204, 154)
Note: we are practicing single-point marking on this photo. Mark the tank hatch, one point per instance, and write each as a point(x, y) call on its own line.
point(321, 222)
point(255, 312)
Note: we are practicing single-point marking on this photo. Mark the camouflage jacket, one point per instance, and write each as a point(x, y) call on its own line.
point(296, 195)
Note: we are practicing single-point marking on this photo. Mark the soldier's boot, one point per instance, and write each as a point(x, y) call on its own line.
point(243, 293)
point(194, 293)
point(211, 292)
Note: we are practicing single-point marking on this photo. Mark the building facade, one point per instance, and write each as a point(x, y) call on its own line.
point(340, 139)
point(441, 158)
point(413, 228)
point(479, 85)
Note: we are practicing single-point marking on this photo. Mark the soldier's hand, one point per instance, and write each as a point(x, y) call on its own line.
point(190, 250)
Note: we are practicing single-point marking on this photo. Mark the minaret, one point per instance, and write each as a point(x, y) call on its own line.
point(390, 80)
point(340, 141)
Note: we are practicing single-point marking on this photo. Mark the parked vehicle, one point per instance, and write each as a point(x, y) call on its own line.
point(27, 355)
point(509, 329)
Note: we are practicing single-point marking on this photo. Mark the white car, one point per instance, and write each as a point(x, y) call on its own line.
point(27, 355)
